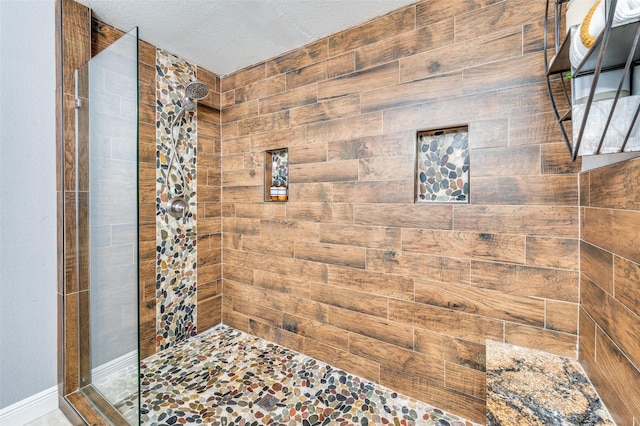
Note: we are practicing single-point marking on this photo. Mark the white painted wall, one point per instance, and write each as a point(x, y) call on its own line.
point(27, 200)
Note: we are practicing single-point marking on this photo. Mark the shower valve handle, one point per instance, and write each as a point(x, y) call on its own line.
point(177, 207)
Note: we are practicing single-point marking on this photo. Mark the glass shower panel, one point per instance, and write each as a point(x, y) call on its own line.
point(110, 351)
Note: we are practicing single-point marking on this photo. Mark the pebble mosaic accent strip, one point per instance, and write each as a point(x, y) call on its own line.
point(226, 377)
point(442, 173)
point(280, 167)
point(175, 238)
point(531, 387)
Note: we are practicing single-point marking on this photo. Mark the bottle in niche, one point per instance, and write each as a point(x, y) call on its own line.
point(278, 190)
point(282, 191)
point(274, 191)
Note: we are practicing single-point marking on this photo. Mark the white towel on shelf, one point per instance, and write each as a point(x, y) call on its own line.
point(576, 10)
point(627, 11)
point(578, 50)
point(598, 20)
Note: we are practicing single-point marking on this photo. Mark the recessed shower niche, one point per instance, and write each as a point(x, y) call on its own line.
point(276, 175)
point(442, 166)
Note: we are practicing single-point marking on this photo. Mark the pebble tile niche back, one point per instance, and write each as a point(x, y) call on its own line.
point(442, 169)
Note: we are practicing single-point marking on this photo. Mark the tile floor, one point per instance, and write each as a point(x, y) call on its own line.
point(226, 377)
point(54, 418)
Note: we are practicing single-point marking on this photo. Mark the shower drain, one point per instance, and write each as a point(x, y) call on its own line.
point(268, 401)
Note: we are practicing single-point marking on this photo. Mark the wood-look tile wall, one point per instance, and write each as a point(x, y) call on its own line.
point(350, 270)
point(75, 50)
point(610, 286)
point(209, 227)
point(146, 196)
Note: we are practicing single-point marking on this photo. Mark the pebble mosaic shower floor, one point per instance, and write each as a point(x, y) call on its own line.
point(227, 377)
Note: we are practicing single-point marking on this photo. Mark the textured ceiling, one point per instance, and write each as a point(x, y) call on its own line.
point(226, 35)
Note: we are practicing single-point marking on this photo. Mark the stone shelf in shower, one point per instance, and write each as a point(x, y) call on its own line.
point(533, 387)
point(276, 175)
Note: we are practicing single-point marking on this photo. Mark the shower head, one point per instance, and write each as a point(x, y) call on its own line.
point(196, 90)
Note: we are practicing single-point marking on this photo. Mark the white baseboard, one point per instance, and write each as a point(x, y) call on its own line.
point(119, 364)
point(31, 408)
point(42, 403)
